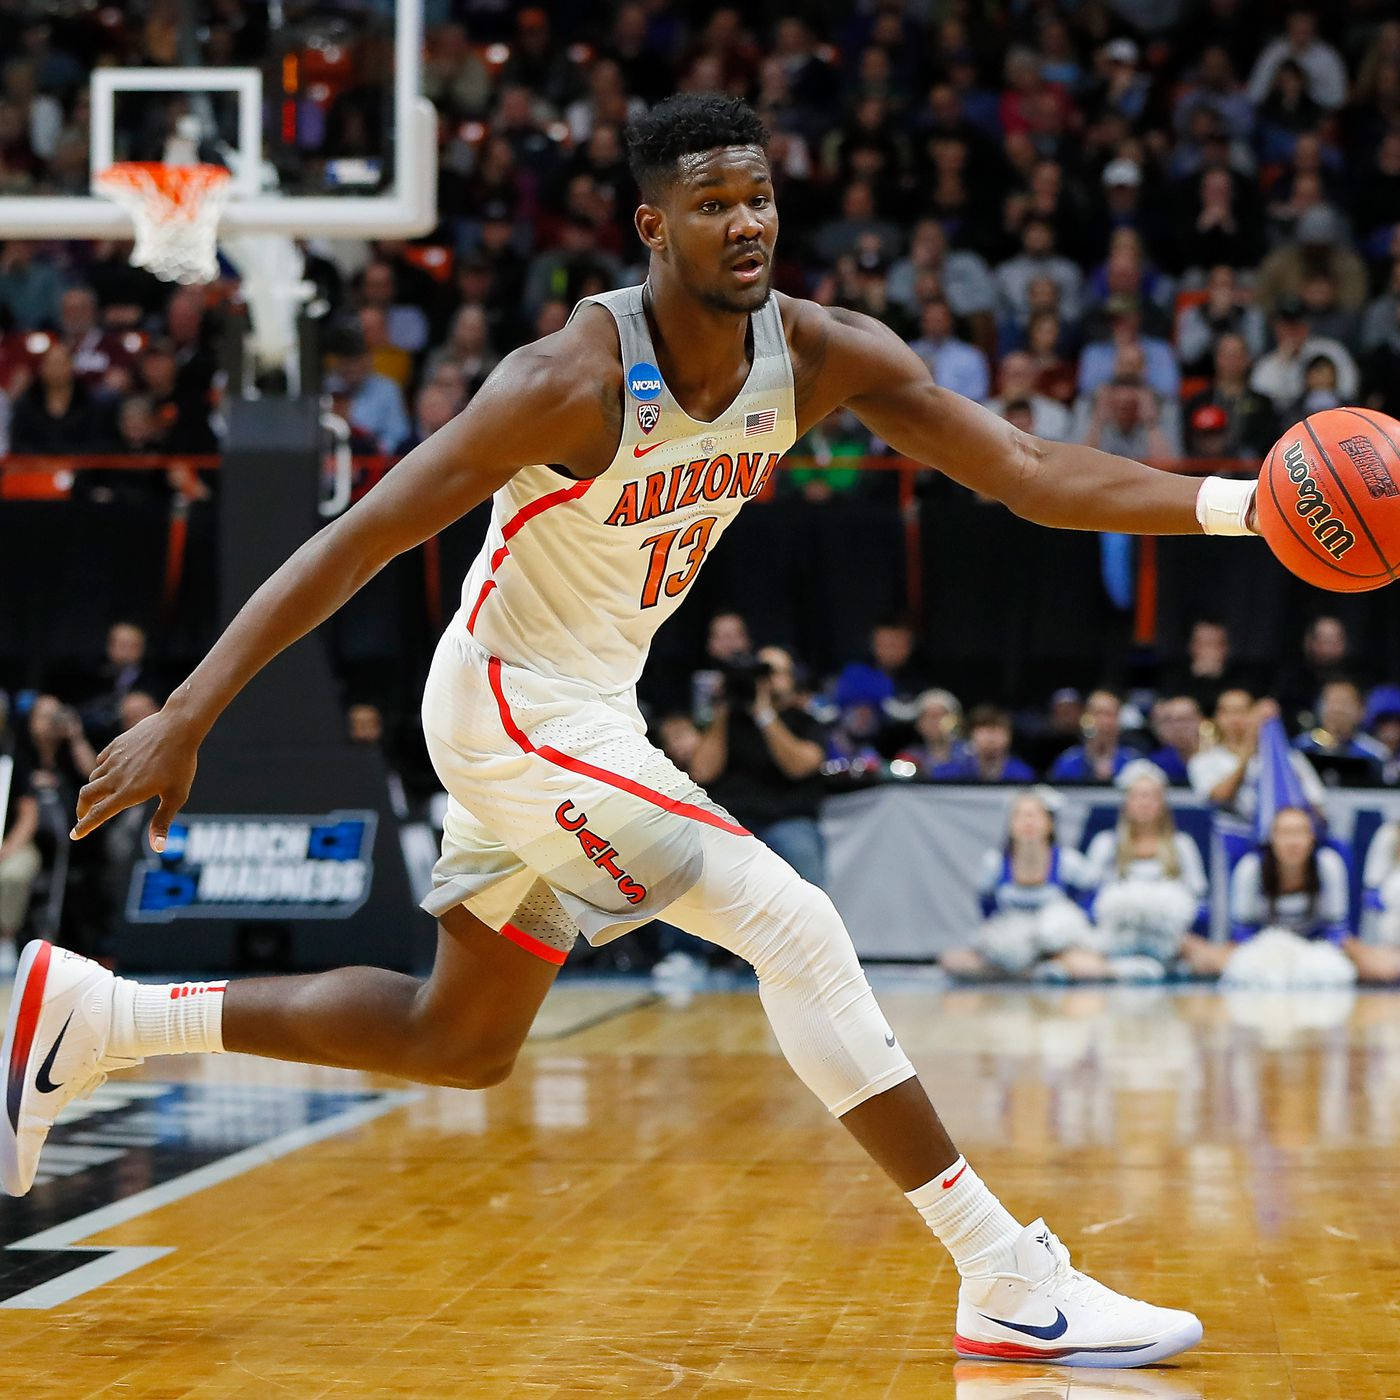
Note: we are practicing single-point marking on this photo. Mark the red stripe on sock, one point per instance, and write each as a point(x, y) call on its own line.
point(602, 775)
point(521, 939)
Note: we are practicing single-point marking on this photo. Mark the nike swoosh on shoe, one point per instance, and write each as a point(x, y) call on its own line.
point(42, 1082)
point(1048, 1333)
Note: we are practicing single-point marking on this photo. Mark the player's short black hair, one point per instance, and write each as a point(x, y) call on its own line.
point(683, 125)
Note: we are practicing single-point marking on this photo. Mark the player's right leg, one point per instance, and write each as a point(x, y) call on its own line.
point(1020, 1298)
point(72, 1022)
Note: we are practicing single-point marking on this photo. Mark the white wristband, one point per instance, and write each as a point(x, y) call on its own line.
point(1222, 505)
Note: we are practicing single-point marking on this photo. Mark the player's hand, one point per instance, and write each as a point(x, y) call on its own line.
point(155, 758)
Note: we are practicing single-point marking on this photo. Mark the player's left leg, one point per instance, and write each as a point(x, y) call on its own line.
point(1020, 1299)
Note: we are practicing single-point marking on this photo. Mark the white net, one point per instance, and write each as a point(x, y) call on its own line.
point(175, 210)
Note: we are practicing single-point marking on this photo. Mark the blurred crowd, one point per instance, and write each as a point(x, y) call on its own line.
point(1167, 229)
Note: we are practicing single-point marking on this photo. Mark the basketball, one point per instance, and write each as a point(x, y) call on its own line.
point(1329, 499)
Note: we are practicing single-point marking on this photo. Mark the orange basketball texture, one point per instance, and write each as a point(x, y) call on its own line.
point(1329, 499)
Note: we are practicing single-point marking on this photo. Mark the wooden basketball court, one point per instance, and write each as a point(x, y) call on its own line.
point(653, 1205)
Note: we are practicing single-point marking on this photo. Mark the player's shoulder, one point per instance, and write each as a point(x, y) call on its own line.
point(808, 324)
point(836, 354)
point(582, 358)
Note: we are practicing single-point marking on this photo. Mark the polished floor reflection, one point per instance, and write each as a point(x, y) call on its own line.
point(653, 1205)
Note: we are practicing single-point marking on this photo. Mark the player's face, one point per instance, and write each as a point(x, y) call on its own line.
point(720, 227)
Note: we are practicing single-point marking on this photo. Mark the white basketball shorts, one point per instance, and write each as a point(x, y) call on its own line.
point(550, 781)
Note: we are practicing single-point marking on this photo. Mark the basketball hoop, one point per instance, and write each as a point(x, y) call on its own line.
point(175, 210)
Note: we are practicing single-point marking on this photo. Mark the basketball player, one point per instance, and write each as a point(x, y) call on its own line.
point(617, 451)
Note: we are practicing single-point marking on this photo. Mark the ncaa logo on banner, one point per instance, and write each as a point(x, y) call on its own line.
point(648, 416)
point(644, 381)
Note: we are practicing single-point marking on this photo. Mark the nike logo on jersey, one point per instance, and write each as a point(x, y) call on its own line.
point(42, 1082)
point(641, 451)
point(1048, 1333)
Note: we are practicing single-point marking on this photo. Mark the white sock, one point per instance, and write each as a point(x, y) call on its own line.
point(972, 1224)
point(180, 1018)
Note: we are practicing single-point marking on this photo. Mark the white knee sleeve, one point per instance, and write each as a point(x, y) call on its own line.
point(818, 1002)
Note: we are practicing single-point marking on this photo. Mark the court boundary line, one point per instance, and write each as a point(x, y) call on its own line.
point(121, 1259)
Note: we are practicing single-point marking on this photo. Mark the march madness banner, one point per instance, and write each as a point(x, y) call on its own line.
point(218, 866)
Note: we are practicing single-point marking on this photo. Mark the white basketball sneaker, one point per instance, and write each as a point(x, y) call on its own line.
point(1039, 1308)
point(54, 1051)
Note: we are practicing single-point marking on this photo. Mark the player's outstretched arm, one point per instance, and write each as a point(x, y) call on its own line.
point(842, 357)
point(535, 407)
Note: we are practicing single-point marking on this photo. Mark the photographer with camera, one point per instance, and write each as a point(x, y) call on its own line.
point(760, 758)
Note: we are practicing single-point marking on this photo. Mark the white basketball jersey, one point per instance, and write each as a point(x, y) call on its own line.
point(576, 576)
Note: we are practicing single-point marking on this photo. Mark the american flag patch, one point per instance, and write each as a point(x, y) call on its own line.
point(762, 422)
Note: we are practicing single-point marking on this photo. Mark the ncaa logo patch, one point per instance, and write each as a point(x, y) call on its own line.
point(644, 381)
point(648, 416)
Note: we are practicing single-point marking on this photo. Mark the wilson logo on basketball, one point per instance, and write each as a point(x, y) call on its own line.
point(1369, 466)
point(1331, 534)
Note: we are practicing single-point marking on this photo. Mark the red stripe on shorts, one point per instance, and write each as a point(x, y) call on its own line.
point(602, 775)
point(521, 939)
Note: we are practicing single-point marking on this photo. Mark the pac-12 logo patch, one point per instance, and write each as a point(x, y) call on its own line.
point(644, 381)
point(648, 416)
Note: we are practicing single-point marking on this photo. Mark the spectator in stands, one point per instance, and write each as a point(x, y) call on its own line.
point(101, 359)
point(375, 402)
point(1279, 375)
point(1318, 250)
point(987, 757)
point(1126, 418)
point(1380, 882)
point(19, 855)
point(1339, 734)
point(963, 276)
point(1100, 757)
point(1383, 725)
point(125, 669)
point(386, 357)
point(1327, 655)
point(859, 220)
point(1208, 669)
point(434, 406)
point(1289, 891)
point(1038, 258)
point(1380, 344)
point(1048, 344)
point(1176, 724)
point(727, 642)
point(1030, 890)
point(1227, 773)
point(57, 413)
point(678, 737)
point(1319, 389)
point(1150, 882)
point(953, 363)
point(468, 346)
point(893, 675)
point(1214, 87)
point(1016, 382)
point(455, 79)
point(1320, 65)
point(861, 735)
point(939, 723)
point(405, 325)
point(1101, 358)
point(30, 288)
point(182, 416)
point(1249, 425)
point(1227, 310)
point(760, 758)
